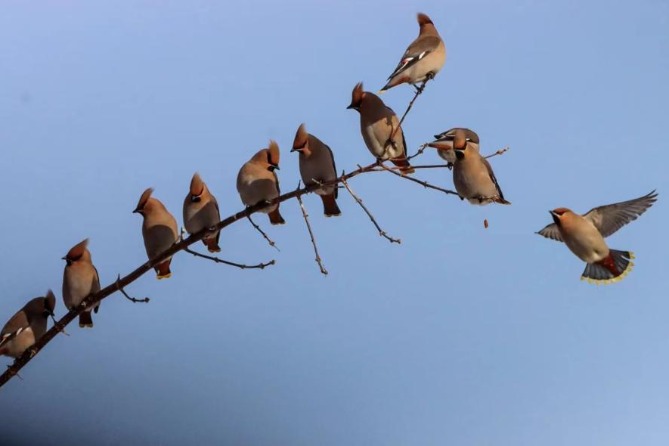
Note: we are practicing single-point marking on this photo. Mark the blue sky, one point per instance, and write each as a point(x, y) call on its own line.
point(461, 335)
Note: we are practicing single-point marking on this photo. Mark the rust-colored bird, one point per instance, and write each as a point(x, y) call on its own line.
point(159, 230)
point(380, 128)
point(584, 236)
point(317, 165)
point(80, 279)
point(201, 212)
point(423, 59)
point(26, 326)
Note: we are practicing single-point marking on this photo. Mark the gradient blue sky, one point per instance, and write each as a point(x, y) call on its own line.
point(460, 336)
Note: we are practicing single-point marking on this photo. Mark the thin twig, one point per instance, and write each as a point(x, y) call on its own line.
point(269, 240)
point(382, 233)
point(227, 262)
point(55, 322)
point(419, 90)
point(131, 299)
point(311, 234)
point(419, 152)
point(422, 183)
point(499, 152)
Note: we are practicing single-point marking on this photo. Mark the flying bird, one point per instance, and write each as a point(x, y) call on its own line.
point(80, 279)
point(584, 236)
point(159, 230)
point(472, 174)
point(201, 212)
point(257, 181)
point(423, 59)
point(317, 165)
point(380, 128)
point(26, 326)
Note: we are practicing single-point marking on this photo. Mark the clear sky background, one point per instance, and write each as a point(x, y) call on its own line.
point(460, 335)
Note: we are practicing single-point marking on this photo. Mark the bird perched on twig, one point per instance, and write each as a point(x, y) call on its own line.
point(159, 230)
point(26, 326)
point(584, 236)
point(201, 212)
point(258, 182)
point(380, 128)
point(472, 174)
point(317, 165)
point(80, 279)
point(423, 59)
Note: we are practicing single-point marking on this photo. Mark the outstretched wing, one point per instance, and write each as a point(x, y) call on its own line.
point(552, 232)
point(611, 217)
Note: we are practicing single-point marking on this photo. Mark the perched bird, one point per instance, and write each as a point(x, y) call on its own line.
point(378, 123)
point(317, 165)
point(257, 181)
point(80, 279)
point(159, 230)
point(201, 212)
point(584, 236)
point(423, 59)
point(444, 143)
point(26, 326)
point(472, 174)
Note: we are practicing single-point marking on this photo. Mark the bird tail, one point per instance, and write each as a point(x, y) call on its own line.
point(212, 243)
point(610, 269)
point(163, 270)
point(403, 164)
point(86, 320)
point(275, 217)
point(330, 208)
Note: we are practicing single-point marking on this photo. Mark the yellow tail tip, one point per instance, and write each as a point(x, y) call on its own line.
point(165, 276)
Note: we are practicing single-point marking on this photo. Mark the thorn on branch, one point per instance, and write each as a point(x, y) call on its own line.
point(227, 262)
point(419, 152)
point(131, 299)
point(499, 152)
point(311, 234)
point(269, 240)
point(382, 233)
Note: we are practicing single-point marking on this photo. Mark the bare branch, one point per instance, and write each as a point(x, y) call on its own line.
point(419, 90)
point(311, 234)
point(419, 152)
point(269, 240)
point(382, 233)
point(227, 262)
point(144, 300)
point(422, 183)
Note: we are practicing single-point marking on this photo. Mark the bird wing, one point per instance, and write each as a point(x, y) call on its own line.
point(493, 178)
point(334, 166)
point(420, 48)
point(611, 217)
point(14, 327)
point(552, 232)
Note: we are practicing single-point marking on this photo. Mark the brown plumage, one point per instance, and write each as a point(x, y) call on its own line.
point(201, 212)
point(26, 326)
point(80, 279)
point(257, 181)
point(159, 230)
point(377, 124)
point(317, 165)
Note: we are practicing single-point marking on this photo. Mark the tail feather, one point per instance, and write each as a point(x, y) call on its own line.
point(612, 269)
point(403, 164)
point(330, 208)
point(275, 217)
point(163, 270)
point(212, 243)
point(86, 320)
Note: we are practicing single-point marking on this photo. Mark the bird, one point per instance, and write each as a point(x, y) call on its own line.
point(584, 236)
point(317, 165)
point(472, 174)
point(159, 230)
point(422, 60)
point(201, 212)
point(80, 279)
point(444, 143)
point(380, 128)
point(26, 326)
point(257, 181)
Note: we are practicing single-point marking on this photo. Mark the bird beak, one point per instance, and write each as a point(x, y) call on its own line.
point(295, 149)
point(137, 211)
point(64, 258)
point(351, 106)
point(276, 166)
point(554, 214)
